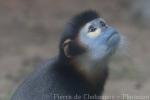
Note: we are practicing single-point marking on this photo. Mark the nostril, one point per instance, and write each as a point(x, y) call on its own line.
point(106, 26)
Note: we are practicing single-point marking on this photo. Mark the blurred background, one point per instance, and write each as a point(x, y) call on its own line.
point(30, 32)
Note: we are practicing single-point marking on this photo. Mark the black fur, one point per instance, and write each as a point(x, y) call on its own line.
point(72, 29)
point(58, 76)
point(77, 22)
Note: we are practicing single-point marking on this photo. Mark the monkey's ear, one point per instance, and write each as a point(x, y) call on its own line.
point(66, 47)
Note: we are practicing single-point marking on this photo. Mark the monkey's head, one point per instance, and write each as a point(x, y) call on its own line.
point(88, 34)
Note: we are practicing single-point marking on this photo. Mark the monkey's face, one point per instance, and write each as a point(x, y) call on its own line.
point(99, 39)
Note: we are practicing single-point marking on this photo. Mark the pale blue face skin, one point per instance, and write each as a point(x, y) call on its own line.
point(99, 39)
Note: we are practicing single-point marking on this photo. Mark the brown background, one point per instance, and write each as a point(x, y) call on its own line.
point(30, 31)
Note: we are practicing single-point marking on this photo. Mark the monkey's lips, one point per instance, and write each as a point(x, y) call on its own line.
point(113, 39)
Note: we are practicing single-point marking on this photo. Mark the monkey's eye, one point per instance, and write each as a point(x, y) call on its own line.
point(91, 29)
point(93, 32)
point(102, 23)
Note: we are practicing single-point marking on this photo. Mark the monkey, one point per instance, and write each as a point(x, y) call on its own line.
point(80, 69)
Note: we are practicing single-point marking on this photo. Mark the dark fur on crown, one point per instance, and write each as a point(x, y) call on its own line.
point(73, 28)
point(78, 21)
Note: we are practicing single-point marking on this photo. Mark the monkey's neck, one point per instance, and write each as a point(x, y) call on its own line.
point(94, 71)
point(91, 72)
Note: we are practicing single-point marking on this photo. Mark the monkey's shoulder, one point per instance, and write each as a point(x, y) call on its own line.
point(39, 83)
point(51, 77)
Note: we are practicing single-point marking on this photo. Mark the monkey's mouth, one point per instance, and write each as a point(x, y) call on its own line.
point(112, 35)
point(113, 39)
